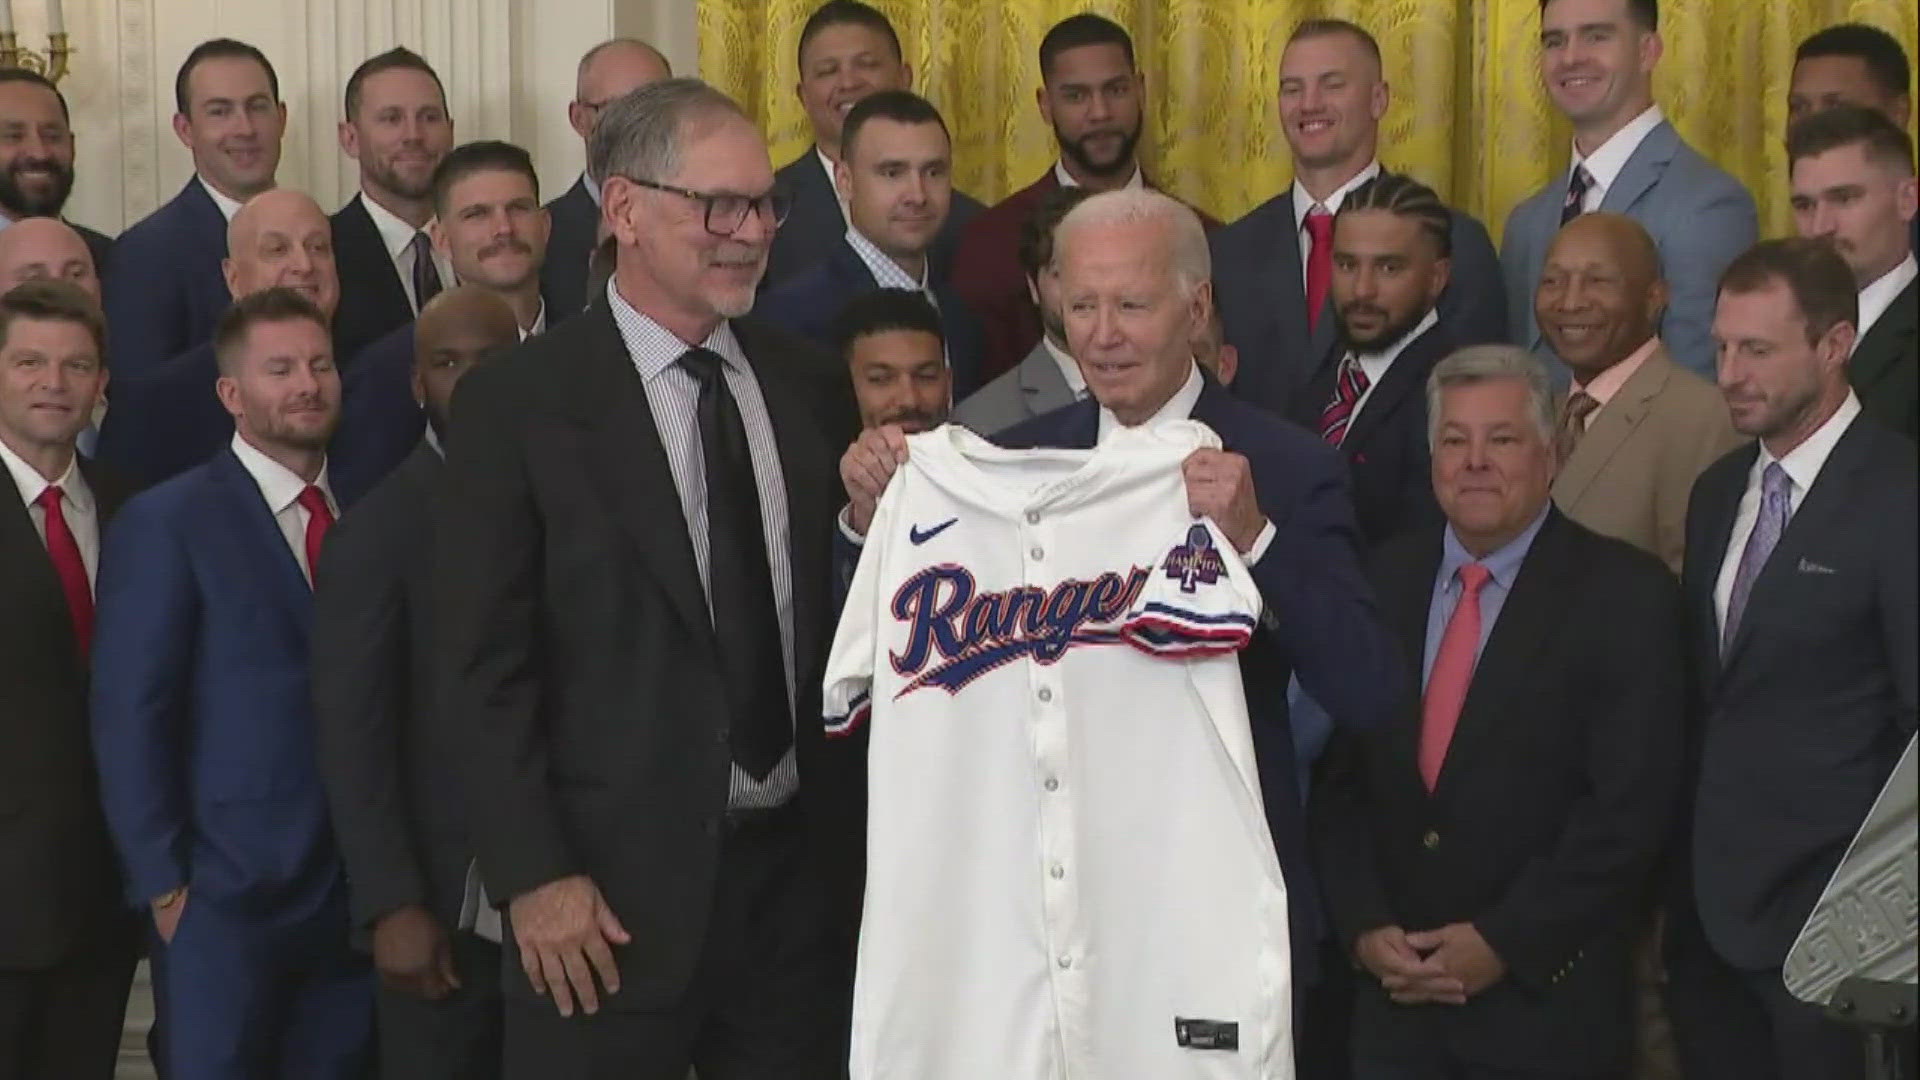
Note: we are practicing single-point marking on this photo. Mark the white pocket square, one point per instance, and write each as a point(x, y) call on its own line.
point(1808, 566)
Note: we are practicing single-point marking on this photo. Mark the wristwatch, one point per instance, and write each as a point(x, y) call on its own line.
point(169, 898)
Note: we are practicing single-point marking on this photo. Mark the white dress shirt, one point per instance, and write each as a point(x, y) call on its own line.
point(397, 235)
point(1802, 465)
point(838, 199)
point(1374, 365)
point(1069, 368)
point(539, 323)
point(76, 504)
point(1066, 179)
point(1607, 159)
point(1304, 204)
point(228, 207)
point(593, 186)
point(281, 487)
point(1876, 298)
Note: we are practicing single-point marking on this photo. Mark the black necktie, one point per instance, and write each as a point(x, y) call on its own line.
point(740, 584)
point(1577, 186)
point(426, 276)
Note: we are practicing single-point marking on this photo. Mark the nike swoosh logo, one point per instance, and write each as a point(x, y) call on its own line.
point(921, 536)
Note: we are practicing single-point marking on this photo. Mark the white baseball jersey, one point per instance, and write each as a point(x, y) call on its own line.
point(1069, 874)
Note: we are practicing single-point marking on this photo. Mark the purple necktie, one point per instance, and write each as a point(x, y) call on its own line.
point(1776, 502)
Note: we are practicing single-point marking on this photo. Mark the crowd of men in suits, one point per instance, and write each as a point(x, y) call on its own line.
point(469, 734)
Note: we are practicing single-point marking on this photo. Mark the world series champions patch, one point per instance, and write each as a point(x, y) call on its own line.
point(1196, 562)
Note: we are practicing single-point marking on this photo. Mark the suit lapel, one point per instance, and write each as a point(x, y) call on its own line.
point(1042, 387)
point(1407, 374)
point(1642, 170)
point(364, 254)
point(21, 545)
point(1408, 597)
point(261, 545)
point(1612, 426)
point(1719, 504)
point(1890, 338)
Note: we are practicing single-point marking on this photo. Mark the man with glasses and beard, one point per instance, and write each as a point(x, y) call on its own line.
point(1093, 97)
point(36, 155)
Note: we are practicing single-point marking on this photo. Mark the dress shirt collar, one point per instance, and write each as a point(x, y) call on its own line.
point(1876, 298)
point(593, 186)
point(1608, 383)
point(1303, 203)
point(1069, 369)
point(396, 234)
point(433, 440)
point(654, 348)
point(1066, 179)
point(228, 207)
point(1607, 159)
point(73, 485)
point(1378, 362)
point(1804, 462)
point(887, 274)
point(1178, 407)
point(279, 485)
point(539, 322)
point(1502, 564)
point(839, 200)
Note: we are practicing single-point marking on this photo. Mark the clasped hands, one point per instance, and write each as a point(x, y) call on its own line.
point(1445, 966)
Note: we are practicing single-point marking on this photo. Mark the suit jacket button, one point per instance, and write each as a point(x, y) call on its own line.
point(1431, 840)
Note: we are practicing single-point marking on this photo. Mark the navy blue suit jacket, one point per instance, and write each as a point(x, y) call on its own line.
point(168, 290)
point(165, 420)
point(809, 303)
point(380, 422)
point(1322, 621)
point(202, 716)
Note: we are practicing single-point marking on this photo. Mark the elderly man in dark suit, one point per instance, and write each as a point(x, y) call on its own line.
point(231, 117)
point(1275, 265)
point(36, 164)
point(1805, 633)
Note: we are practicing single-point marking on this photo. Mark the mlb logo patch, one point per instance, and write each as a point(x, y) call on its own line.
point(1196, 562)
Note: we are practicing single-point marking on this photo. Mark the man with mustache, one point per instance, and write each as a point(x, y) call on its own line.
point(893, 344)
point(167, 421)
point(493, 231)
point(1597, 59)
point(895, 169)
point(398, 129)
point(204, 730)
point(1093, 97)
point(36, 154)
point(231, 118)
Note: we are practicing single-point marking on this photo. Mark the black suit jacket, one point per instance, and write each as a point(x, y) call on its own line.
point(1803, 718)
point(812, 300)
point(577, 648)
point(563, 275)
point(1261, 293)
point(1885, 368)
point(99, 245)
point(815, 223)
point(1386, 447)
point(63, 886)
point(372, 299)
point(387, 754)
point(1550, 811)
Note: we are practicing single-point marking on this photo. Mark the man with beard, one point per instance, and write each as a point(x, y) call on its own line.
point(894, 347)
point(1276, 263)
point(203, 723)
point(493, 231)
point(1092, 96)
point(231, 117)
point(387, 753)
point(36, 154)
point(167, 421)
point(398, 128)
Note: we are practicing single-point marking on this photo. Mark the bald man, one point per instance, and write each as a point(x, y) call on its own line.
point(1635, 429)
point(608, 71)
point(46, 248)
point(164, 422)
point(385, 753)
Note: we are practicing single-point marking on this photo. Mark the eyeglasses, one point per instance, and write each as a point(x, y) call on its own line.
point(725, 211)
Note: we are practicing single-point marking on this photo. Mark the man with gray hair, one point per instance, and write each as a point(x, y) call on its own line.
point(1135, 288)
point(632, 572)
point(1485, 856)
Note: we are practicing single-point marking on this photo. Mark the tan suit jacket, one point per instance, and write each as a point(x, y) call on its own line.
point(1634, 469)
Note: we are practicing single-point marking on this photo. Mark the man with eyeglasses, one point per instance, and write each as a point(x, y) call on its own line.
point(607, 71)
point(632, 573)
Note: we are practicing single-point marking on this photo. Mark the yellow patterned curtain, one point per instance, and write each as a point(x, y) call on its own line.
point(1469, 115)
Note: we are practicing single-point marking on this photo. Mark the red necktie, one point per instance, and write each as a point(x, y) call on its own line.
point(1319, 263)
point(1348, 385)
point(319, 520)
point(68, 567)
point(1452, 671)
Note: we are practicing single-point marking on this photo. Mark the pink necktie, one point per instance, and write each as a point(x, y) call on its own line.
point(68, 567)
point(1319, 264)
point(1452, 672)
point(319, 520)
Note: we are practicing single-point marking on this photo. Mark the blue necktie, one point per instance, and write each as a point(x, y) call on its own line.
point(1776, 504)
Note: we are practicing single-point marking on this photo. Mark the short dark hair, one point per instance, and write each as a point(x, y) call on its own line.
point(882, 310)
point(1880, 51)
point(900, 106)
point(1403, 196)
point(276, 305)
point(1819, 279)
point(845, 13)
point(219, 49)
point(1078, 31)
point(484, 155)
point(1644, 12)
point(51, 298)
point(1846, 125)
point(1313, 28)
point(1036, 233)
point(399, 58)
point(22, 75)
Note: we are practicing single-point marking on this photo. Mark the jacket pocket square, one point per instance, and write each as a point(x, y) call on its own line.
point(1808, 566)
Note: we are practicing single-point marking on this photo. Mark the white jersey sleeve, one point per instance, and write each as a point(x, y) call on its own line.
point(856, 647)
point(1199, 601)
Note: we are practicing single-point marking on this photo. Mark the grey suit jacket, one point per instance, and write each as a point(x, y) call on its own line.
point(1698, 215)
point(1033, 387)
